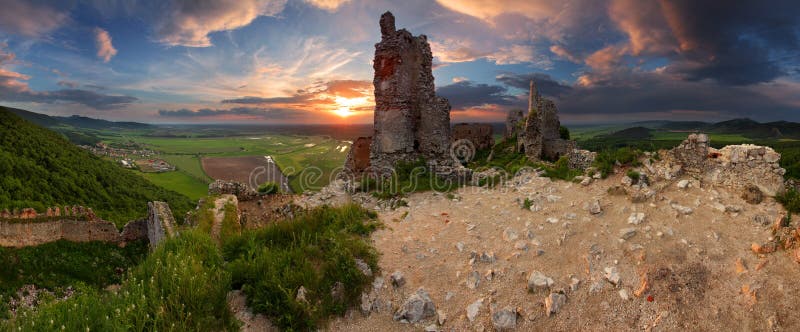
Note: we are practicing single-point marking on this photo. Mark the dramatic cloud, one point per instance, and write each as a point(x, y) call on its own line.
point(544, 83)
point(189, 22)
point(236, 113)
point(13, 88)
point(329, 5)
point(466, 94)
point(30, 18)
point(105, 50)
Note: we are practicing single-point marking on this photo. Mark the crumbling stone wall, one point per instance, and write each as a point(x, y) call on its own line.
point(733, 166)
point(513, 120)
point(480, 134)
point(160, 223)
point(242, 191)
point(692, 154)
point(581, 159)
point(77, 224)
point(541, 138)
point(552, 149)
point(410, 120)
point(358, 157)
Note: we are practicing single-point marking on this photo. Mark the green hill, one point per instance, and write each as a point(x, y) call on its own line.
point(40, 168)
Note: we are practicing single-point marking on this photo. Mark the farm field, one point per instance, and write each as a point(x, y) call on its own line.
point(310, 160)
point(253, 170)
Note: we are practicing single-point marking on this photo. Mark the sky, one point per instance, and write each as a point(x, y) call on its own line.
point(310, 61)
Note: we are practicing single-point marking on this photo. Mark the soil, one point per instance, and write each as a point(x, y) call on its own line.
point(689, 261)
point(253, 171)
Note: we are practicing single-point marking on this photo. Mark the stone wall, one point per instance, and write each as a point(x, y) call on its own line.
point(733, 166)
point(77, 224)
point(242, 191)
point(552, 149)
point(581, 159)
point(358, 157)
point(160, 223)
point(410, 121)
point(541, 137)
point(480, 134)
point(513, 120)
point(35, 232)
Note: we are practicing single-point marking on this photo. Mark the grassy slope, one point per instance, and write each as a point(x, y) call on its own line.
point(40, 168)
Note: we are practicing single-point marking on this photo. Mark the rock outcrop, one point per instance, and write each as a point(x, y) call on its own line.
point(242, 191)
point(540, 137)
point(480, 134)
point(160, 223)
point(739, 167)
point(357, 160)
point(514, 119)
point(410, 120)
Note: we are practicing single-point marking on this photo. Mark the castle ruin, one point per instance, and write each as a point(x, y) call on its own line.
point(539, 138)
point(480, 134)
point(411, 122)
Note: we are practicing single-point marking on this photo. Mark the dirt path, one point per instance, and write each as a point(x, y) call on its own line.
point(700, 271)
point(219, 214)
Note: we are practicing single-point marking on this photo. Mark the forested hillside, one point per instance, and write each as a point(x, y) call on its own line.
point(40, 168)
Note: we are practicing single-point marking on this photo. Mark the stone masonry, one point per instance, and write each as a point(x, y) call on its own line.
point(540, 137)
point(513, 121)
point(357, 160)
point(410, 120)
point(160, 223)
point(480, 134)
point(733, 166)
point(77, 224)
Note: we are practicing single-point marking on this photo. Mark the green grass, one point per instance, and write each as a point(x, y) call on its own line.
point(269, 188)
point(315, 250)
point(59, 264)
point(182, 286)
point(179, 182)
point(409, 177)
point(790, 200)
point(294, 155)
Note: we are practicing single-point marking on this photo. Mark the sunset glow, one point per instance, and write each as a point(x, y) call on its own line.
point(277, 61)
point(346, 105)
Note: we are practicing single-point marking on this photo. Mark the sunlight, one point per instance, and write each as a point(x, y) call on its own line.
point(345, 105)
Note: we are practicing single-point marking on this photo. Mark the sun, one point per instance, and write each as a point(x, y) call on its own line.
point(345, 105)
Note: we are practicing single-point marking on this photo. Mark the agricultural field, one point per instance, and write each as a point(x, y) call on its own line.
point(308, 162)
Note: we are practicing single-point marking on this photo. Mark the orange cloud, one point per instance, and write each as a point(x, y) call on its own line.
point(188, 23)
point(329, 5)
point(105, 50)
point(30, 19)
point(489, 9)
point(645, 25)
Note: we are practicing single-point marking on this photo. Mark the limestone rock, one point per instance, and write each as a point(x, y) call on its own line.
point(627, 233)
point(397, 279)
point(554, 302)
point(505, 319)
point(594, 207)
point(473, 280)
point(363, 267)
point(417, 307)
point(474, 309)
point(612, 275)
point(538, 280)
point(683, 184)
point(636, 218)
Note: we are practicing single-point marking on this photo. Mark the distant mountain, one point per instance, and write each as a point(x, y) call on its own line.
point(76, 121)
point(40, 168)
point(634, 133)
point(745, 127)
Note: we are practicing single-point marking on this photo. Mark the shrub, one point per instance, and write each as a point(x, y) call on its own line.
point(790, 200)
point(180, 286)
point(563, 132)
point(526, 205)
point(607, 159)
point(59, 264)
point(316, 250)
point(269, 188)
point(561, 170)
point(634, 175)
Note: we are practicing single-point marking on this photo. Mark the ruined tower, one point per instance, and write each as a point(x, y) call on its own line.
point(541, 138)
point(410, 120)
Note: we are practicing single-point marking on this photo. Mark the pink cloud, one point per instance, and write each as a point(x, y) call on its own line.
point(105, 50)
point(329, 5)
point(30, 19)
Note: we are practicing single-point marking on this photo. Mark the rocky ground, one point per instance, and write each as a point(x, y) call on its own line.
point(680, 260)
